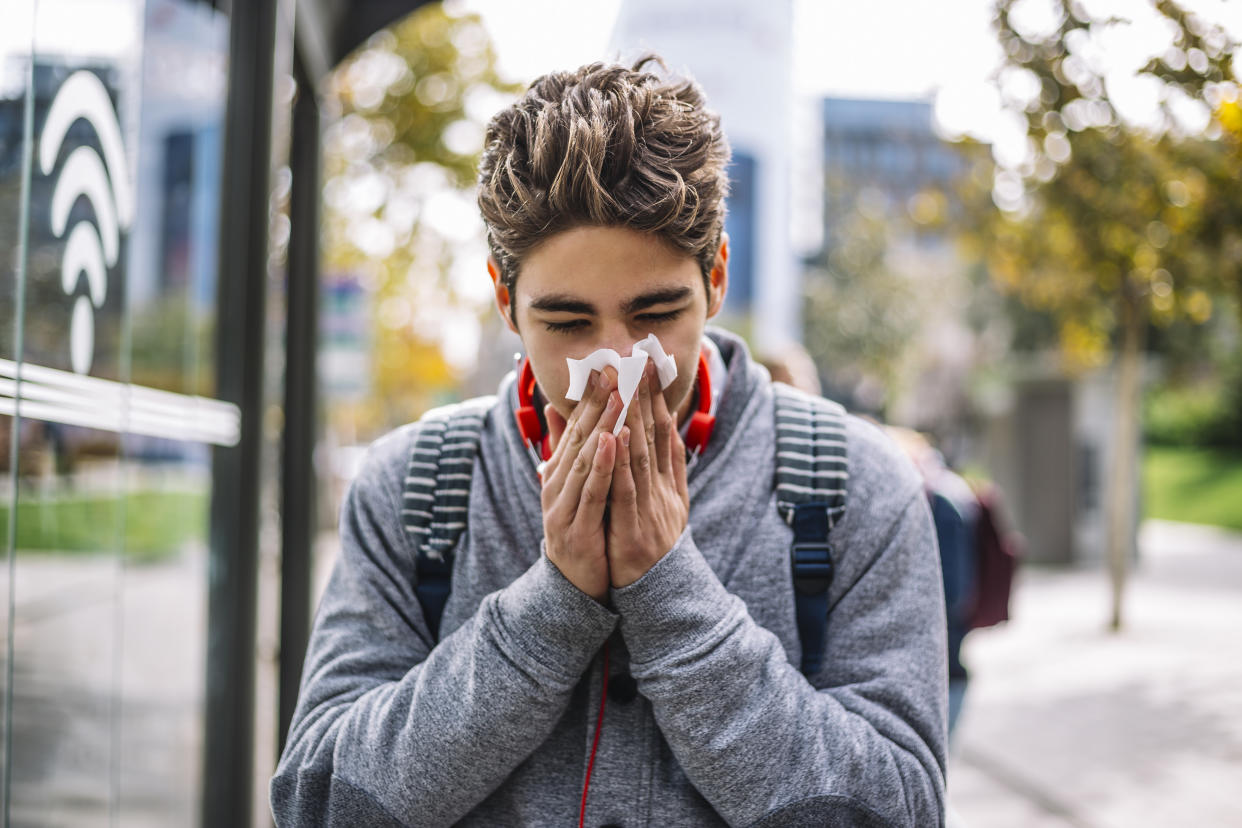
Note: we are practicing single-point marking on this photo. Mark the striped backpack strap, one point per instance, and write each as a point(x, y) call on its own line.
point(436, 497)
point(812, 473)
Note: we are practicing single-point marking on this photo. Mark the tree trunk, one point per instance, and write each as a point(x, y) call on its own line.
point(1123, 469)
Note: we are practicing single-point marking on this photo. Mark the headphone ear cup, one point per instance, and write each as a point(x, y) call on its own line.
point(699, 432)
point(528, 422)
point(702, 422)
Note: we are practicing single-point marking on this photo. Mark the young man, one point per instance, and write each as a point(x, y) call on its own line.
point(620, 645)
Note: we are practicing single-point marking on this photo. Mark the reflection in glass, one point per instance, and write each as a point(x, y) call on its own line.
point(107, 496)
point(15, 51)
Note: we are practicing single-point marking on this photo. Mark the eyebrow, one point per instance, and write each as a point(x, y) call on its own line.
point(567, 303)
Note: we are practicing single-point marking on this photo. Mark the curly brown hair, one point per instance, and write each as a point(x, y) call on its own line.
point(610, 146)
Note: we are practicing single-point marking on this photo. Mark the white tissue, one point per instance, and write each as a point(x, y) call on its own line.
point(666, 367)
point(580, 370)
point(629, 371)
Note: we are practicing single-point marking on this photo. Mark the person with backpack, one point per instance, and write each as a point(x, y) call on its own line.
point(978, 558)
point(724, 609)
point(955, 514)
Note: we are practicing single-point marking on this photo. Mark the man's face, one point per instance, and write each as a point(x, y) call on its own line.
point(608, 287)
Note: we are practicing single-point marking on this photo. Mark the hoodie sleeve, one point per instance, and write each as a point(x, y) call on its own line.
point(392, 728)
point(860, 744)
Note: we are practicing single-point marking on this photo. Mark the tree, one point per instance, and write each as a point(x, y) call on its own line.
point(1111, 226)
point(400, 161)
point(860, 312)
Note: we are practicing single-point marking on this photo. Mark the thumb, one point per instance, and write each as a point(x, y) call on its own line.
point(556, 426)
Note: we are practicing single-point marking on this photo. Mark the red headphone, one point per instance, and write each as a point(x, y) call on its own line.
point(528, 422)
point(698, 433)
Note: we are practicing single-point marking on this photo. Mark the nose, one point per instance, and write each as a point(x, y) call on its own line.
point(617, 336)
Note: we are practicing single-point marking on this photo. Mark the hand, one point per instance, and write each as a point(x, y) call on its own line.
point(575, 486)
point(649, 502)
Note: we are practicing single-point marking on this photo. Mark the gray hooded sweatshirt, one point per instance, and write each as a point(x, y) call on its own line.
point(708, 720)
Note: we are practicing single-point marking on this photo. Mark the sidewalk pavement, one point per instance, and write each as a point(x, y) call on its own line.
point(1067, 724)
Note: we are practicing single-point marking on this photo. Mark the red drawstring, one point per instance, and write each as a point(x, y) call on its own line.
point(599, 722)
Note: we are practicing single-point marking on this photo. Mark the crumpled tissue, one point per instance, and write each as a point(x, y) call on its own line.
point(629, 371)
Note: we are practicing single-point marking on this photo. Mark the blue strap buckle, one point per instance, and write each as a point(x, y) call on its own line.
point(812, 566)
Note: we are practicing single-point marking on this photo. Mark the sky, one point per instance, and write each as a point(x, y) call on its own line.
point(942, 51)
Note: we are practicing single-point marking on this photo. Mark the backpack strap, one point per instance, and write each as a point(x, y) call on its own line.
point(436, 497)
point(812, 473)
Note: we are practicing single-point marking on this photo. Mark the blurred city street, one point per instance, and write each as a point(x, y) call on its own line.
point(1067, 724)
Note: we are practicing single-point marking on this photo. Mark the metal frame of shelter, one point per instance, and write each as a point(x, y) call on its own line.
point(320, 33)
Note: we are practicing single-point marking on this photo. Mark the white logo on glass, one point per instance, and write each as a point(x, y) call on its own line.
point(89, 250)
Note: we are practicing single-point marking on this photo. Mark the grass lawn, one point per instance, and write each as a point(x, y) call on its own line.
point(156, 523)
point(1193, 486)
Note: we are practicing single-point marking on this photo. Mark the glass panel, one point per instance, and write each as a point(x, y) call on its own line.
point(112, 476)
point(172, 304)
point(69, 516)
point(15, 51)
point(15, 44)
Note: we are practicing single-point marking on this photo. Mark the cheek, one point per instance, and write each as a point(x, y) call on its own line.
point(554, 382)
point(551, 373)
point(675, 395)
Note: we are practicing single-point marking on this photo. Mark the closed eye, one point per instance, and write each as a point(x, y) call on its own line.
point(574, 325)
point(667, 316)
point(566, 327)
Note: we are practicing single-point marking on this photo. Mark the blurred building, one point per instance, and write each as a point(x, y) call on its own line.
point(887, 171)
point(159, 168)
point(887, 149)
point(741, 54)
point(1048, 441)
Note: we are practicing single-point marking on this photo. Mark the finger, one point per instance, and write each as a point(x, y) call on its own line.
point(640, 457)
point(624, 497)
point(679, 466)
point(644, 400)
point(578, 468)
point(582, 419)
point(560, 476)
point(594, 495)
point(562, 425)
point(663, 427)
point(612, 413)
point(578, 429)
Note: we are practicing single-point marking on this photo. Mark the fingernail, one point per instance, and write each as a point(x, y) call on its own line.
point(625, 436)
point(602, 381)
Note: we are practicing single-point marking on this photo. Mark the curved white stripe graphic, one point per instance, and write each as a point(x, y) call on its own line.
point(109, 191)
point(84, 174)
point(83, 96)
point(82, 336)
point(84, 254)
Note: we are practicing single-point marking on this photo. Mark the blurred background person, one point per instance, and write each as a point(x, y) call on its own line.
point(955, 512)
point(792, 365)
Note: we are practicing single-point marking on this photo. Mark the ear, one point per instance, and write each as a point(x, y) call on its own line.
point(502, 293)
point(719, 278)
